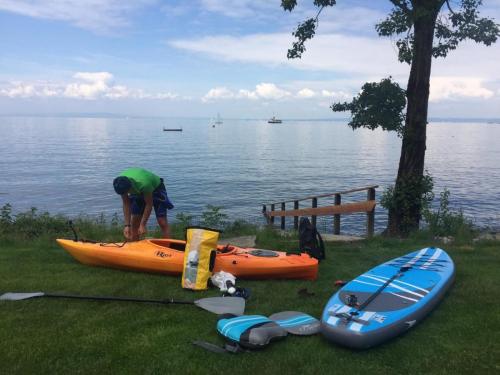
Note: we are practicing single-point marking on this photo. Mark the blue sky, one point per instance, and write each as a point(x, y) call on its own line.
point(199, 57)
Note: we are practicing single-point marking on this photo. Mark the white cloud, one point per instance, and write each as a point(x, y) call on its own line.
point(306, 93)
point(218, 93)
point(247, 94)
point(365, 57)
point(167, 95)
point(18, 90)
point(332, 52)
point(270, 91)
point(449, 88)
point(87, 86)
point(338, 95)
point(95, 15)
point(117, 92)
point(240, 8)
point(94, 85)
point(266, 91)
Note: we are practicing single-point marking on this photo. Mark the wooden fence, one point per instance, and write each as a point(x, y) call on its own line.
point(337, 209)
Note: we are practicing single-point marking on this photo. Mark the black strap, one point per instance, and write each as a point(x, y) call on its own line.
point(321, 245)
point(111, 244)
point(379, 290)
point(210, 347)
point(352, 314)
point(229, 347)
point(351, 318)
point(76, 239)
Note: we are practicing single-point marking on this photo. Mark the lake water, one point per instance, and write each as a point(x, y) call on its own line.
point(66, 165)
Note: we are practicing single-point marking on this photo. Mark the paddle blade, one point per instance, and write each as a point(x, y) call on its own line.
point(20, 296)
point(222, 305)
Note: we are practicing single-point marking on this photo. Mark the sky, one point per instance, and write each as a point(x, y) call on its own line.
point(197, 58)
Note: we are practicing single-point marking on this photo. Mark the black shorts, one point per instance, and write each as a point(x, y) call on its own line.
point(161, 203)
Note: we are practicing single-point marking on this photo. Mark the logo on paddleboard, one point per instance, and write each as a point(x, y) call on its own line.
point(410, 324)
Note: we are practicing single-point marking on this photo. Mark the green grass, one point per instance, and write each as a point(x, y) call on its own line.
point(65, 336)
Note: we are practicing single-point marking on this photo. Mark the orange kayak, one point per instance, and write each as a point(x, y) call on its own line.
point(167, 256)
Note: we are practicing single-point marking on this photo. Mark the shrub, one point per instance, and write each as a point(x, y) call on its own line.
point(444, 222)
point(32, 225)
point(239, 228)
point(405, 202)
point(213, 217)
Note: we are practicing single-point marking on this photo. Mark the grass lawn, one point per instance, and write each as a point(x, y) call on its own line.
point(66, 336)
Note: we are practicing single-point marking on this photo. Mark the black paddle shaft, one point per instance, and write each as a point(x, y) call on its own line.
point(379, 290)
point(123, 299)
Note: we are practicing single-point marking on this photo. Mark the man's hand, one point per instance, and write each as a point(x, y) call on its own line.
point(127, 232)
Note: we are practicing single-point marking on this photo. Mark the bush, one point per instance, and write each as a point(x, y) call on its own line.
point(32, 225)
point(445, 222)
point(239, 228)
point(414, 195)
point(213, 217)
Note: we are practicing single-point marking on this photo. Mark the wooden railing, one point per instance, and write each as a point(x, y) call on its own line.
point(336, 209)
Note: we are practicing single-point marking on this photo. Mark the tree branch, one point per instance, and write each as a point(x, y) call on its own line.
point(401, 4)
point(449, 7)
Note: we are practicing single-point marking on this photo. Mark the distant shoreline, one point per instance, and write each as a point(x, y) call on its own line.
point(137, 117)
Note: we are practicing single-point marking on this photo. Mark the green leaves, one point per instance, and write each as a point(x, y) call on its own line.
point(288, 4)
point(450, 29)
point(412, 193)
point(306, 29)
point(213, 217)
point(399, 21)
point(378, 105)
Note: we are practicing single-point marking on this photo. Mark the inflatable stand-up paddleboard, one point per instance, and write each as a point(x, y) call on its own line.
point(388, 299)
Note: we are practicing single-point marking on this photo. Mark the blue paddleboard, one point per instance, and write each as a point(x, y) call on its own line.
point(388, 299)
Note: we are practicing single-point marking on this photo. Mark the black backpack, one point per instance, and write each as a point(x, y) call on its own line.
point(310, 240)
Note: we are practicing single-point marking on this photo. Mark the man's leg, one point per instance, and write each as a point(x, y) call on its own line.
point(163, 223)
point(161, 207)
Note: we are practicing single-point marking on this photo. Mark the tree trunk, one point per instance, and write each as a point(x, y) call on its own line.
point(405, 213)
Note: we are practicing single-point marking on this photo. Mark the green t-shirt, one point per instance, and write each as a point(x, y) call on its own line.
point(142, 180)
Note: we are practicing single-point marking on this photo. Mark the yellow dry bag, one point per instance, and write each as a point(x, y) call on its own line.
point(199, 257)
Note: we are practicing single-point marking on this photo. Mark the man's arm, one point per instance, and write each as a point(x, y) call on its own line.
point(148, 199)
point(126, 216)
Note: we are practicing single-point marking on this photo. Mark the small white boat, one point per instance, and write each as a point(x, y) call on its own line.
point(219, 120)
point(274, 120)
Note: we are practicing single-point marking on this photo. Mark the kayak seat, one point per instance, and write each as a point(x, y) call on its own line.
point(263, 253)
point(226, 249)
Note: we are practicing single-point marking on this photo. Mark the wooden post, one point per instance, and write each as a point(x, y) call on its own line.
point(336, 218)
point(264, 212)
point(283, 217)
point(314, 205)
point(272, 217)
point(296, 218)
point(370, 216)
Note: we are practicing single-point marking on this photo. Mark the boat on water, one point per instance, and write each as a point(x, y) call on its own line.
point(167, 256)
point(172, 129)
point(274, 120)
point(218, 121)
